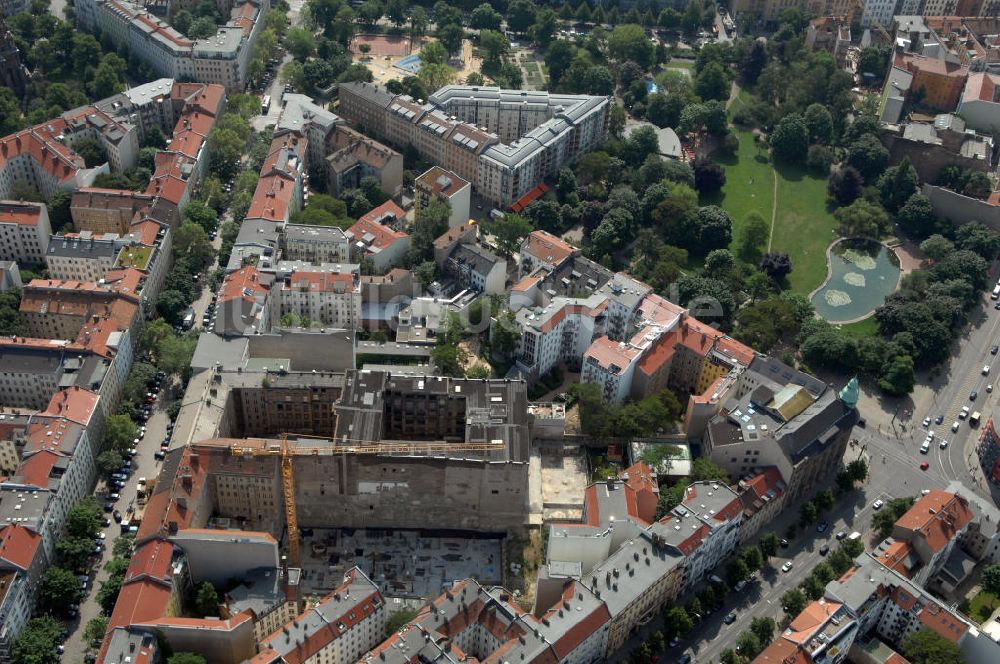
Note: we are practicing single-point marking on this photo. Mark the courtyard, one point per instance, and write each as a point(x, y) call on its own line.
point(403, 563)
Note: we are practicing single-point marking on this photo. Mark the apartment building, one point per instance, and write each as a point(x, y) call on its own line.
point(345, 625)
point(10, 277)
point(279, 192)
point(352, 156)
point(31, 370)
point(24, 232)
point(106, 210)
point(315, 244)
point(831, 34)
point(22, 563)
point(461, 128)
point(374, 237)
point(244, 305)
point(221, 59)
point(541, 249)
point(979, 105)
point(302, 115)
point(471, 266)
point(769, 10)
point(443, 185)
point(777, 416)
point(326, 298)
point(942, 80)
point(82, 256)
point(56, 309)
point(823, 632)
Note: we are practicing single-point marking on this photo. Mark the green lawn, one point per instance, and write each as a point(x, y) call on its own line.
point(749, 184)
point(677, 63)
point(863, 328)
point(804, 226)
point(983, 605)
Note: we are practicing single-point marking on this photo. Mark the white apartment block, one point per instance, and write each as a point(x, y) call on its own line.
point(221, 58)
point(315, 244)
point(331, 299)
point(83, 256)
point(24, 232)
point(505, 142)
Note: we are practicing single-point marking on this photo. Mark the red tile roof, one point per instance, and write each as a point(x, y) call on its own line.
point(321, 282)
point(18, 545)
point(937, 518)
point(529, 197)
point(380, 213)
point(243, 283)
point(383, 236)
point(547, 248)
point(23, 214)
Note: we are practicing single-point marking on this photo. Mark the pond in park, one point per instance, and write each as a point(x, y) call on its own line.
point(862, 273)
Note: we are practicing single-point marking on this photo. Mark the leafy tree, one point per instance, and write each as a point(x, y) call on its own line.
point(808, 513)
point(845, 184)
point(199, 213)
point(91, 151)
point(752, 556)
point(174, 356)
point(83, 519)
point(629, 42)
point(776, 265)
point(59, 212)
point(719, 263)
point(37, 642)
point(95, 629)
point(768, 544)
point(926, 646)
point(508, 231)
point(207, 599)
point(790, 139)
point(301, 43)
point(869, 156)
point(677, 622)
point(813, 587)
point(185, 658)
point(753, 237)
point(937, 247)
point(73, 551)
point(793, 602)
point(484, 17)
point(736, 571)
point(974, 236)
point(874, 60)
point(754, 62)
point(59, 588)
point(885, 519)
point(711, 83)
point(898, 377)
point(119, 432)
point(863, 219)
point(710, 299)
point(839, 561)
point(820, 123)
point(709, 176)
point(520, 15)
point(748, 644)
point(448, 360)
point(10, 112)
point(990, 579)
point(451, 37)
point(109, 461)
point(820, 158)
point(713, 228)
point(897, 185)
point(917, 216)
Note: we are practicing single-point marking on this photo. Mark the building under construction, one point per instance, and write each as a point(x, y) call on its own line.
point(405, 452)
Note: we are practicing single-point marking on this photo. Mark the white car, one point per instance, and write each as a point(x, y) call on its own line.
point(954, 426)
point(986, 370)
point(787, 567)
point(943, 444)
point(930, 435)
point(926, 422)
point(964, 414)
point(925, 492)
point(878, 504)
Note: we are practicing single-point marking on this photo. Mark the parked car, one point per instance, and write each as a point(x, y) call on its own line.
point(939, 419)
point(841, 535)
point(109, 507)
point(924, 465)
point(878, 504)
point(825, 549)
point(821, 528)
point(159, 456)
point(927, 422)
point(787, 567)
point(730, 619)
point(117, 516)
point(973, 395)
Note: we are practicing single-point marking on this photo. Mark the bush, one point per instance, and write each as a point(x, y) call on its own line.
point(820, 159)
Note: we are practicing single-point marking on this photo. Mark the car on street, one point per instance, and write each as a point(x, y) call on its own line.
point(972, 395)
point(926, 422)
point(994, 350)
point(986, 370)
point(109, 507)
point(841, 535)
point(113, 497)
point(964, 414)
point(924, 465)
point(878, 504)
point(117, 516)
point(821, 528)
point(954, 426)
point(943, 444)
point(787, 567)
point(925, 492)
point(159, 456)
point(939, 419)
point(825, 549)
point(730, 619)
point(674, 641)
point(106, 522)
point(784, 544)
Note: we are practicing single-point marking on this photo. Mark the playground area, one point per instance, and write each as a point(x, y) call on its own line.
point(395, 58)
point(381, 45)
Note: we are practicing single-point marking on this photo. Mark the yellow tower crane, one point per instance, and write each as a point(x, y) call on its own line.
point(288, 452)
